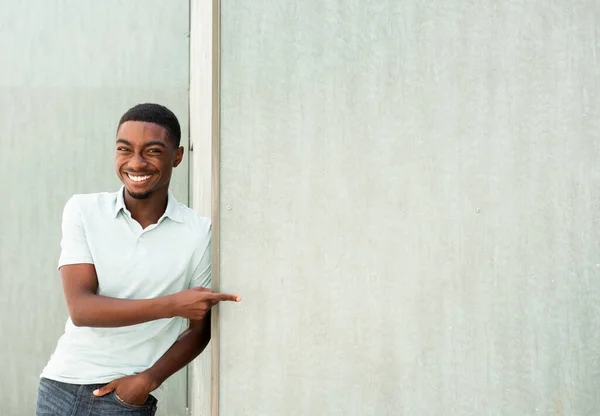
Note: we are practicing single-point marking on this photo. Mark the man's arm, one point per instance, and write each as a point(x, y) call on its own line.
point(187, 347)
point(80, 286)
point(87, 308)
point(135, 389)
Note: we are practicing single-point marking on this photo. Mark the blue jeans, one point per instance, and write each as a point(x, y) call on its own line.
point(61, 399)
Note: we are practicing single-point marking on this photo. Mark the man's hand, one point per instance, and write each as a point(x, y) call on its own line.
point(88, 308)
point(131, 389)
point(195, 303)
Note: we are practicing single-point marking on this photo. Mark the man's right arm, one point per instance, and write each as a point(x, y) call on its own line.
point(80, 286)
point(87, 308)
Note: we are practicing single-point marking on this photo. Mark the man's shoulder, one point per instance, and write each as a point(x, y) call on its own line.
point(92, 202)
point(193, 219)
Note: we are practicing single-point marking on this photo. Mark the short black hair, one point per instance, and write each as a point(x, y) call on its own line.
point(157, 114)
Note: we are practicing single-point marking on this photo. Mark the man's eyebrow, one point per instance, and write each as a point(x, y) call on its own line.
point(155, 143)
point(150, 143)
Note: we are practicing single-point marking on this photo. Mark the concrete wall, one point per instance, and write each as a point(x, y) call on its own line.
point(69, 69)
point(409, 207)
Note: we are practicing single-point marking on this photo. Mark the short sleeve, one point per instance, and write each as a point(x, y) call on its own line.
point(201, 263)
point(74, 245)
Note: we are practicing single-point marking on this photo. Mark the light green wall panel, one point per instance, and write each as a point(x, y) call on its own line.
point(69, 70)
point(414, 208)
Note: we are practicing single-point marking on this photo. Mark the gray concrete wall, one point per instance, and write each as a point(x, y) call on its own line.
point(414, 208)
point(69, 69)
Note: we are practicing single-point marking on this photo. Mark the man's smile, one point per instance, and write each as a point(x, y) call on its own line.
point(138, 178)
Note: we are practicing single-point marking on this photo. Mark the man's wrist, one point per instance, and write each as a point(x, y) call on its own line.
point(168, 306)
point(153, 380)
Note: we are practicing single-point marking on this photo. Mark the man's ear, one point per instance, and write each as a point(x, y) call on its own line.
point(178, 157)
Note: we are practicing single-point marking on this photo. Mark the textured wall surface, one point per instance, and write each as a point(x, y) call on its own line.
point(414, 208)
point(69, 70)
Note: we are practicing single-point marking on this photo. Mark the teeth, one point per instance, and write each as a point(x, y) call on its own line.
point(138, 178)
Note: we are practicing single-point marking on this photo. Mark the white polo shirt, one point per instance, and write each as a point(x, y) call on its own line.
point(131, 263)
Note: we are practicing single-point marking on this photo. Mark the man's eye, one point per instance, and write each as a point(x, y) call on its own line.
point(122, 149)
point(155, 151)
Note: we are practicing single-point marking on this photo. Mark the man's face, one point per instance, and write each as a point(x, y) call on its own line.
point(145, 157)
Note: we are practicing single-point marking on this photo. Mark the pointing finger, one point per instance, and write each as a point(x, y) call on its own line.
point(224, 297)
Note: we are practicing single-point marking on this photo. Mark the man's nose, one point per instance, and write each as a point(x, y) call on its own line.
point(137, 162)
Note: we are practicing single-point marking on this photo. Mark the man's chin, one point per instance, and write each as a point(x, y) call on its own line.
point(139, 195)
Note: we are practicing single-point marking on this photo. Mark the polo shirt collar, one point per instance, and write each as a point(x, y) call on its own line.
point(172, 211)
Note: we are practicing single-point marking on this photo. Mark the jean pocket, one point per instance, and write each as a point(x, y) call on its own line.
point(148, 405)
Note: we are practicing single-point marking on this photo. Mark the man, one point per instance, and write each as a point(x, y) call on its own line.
point(135, 266)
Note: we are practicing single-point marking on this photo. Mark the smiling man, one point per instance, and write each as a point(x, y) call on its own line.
point(135, 269)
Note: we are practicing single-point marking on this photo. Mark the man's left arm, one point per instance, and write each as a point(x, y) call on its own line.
point(187, 347)
point(135, 389)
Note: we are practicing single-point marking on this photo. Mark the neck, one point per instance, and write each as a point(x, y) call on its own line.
point(147, 211)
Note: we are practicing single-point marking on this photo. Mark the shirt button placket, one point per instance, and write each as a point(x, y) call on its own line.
point(140, 245)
